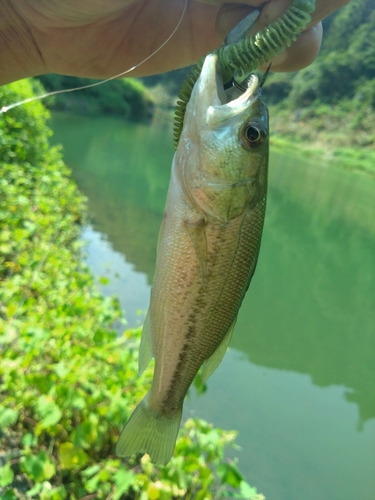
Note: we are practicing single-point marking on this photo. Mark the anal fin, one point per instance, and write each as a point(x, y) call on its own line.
point(145, 349)
point(210, 365)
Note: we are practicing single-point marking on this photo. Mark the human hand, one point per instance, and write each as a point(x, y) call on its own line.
point(303, 51)
point(102, 38)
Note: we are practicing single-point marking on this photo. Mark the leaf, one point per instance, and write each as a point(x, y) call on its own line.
point(103, 280)
point(78, 401)
point(6, 475)
point(85, 434)
point(200, 386)
point(90, 471)
point(230, 474)
point(153, 491)
point(71, 457)
point(58, 493)
point(246, 490)
point(124, 479)
point(9, 495)
point(8, 417)
point(38, 333)
point(28, 440)
point(61, 369)
point(38, 467)
point(92, 484)
point(37, 488)
point(48, 411)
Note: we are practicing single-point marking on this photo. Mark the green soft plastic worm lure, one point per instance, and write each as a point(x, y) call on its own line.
point(241, 58)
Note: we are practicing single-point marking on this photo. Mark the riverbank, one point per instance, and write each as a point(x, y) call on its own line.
point(67, 381)
point(326, 137)
point(345, 157)
point(126, 98)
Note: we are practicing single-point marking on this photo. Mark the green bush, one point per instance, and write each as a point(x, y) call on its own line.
point(67, 381)
point(124, 97)
point(331, 103)
point(343, 68)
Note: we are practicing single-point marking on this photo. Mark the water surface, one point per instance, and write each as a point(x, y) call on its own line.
point(298, 382)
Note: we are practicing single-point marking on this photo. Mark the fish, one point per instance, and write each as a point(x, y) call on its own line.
point(207, 252)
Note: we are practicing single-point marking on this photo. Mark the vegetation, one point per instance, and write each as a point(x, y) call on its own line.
point(329, 107)
point(127, 98)
point(67, 381)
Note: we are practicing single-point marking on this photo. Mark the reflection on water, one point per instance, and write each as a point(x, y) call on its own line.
point(130, 286)
point(299, 380)
point(318, 283)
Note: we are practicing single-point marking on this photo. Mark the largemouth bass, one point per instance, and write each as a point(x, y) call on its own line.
point(207, 252)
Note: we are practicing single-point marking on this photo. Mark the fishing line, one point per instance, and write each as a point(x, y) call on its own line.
point(4, 109)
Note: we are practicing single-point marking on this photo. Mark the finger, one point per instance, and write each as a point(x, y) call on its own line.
point(251, 3)
point(229, 16)
point(274, 9)
point(324, 8)
point(301, 53)
point(306, 48)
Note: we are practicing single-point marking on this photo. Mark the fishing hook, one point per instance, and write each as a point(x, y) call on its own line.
point(233, 82)
point(264, 76)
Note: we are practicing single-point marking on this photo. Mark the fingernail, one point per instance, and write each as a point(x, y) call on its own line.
point(280, 59)
point(229, 16)
point(273, 10)
point(270, 13)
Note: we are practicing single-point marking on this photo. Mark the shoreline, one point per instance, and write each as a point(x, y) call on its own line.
point(347, 158)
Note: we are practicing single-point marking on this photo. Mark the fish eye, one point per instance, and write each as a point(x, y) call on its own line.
point(252, 135)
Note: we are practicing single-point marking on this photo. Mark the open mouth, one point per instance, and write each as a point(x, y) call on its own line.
point(222, 104)
point(233, 97)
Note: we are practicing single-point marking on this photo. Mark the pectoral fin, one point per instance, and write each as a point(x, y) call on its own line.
point(145, 349)
point(161, 234)
point(210, 365)
point(197, 233)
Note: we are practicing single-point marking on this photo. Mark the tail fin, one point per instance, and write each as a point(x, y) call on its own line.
point(149, 432)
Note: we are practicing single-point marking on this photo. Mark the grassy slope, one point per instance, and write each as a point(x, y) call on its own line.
point(323, 137)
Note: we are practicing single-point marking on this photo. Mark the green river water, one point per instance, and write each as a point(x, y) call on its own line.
point(298, 382)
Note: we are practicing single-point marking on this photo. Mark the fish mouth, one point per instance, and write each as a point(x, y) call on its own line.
point(252, 90)
point(220, 107)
